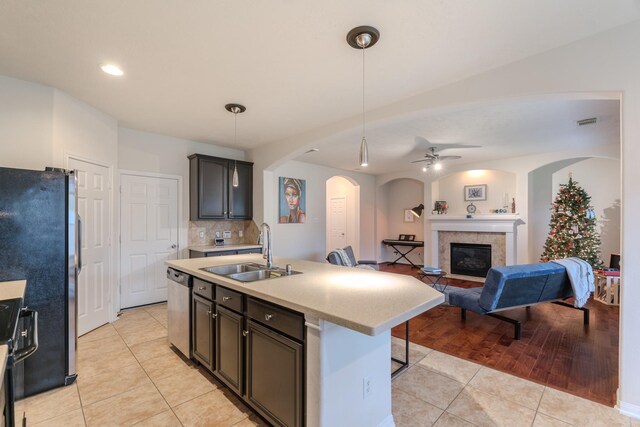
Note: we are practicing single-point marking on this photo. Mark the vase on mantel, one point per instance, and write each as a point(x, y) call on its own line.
point(513, 205)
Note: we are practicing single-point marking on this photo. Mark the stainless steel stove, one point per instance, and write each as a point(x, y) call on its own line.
point(19, 331)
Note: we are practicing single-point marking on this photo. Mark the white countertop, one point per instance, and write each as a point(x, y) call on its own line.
point(12, 290)
point(213, 248)
point(366, 301)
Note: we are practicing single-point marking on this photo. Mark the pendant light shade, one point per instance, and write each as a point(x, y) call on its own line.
point(235, 181)
point(363, 37)
point(235, 109)
point(364, 152)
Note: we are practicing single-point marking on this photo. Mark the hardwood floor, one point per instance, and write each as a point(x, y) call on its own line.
point(556, 349)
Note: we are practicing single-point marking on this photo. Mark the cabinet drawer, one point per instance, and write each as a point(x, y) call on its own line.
point(250, 251)
point(204, 289)
point(230, 299)
point(281, 320)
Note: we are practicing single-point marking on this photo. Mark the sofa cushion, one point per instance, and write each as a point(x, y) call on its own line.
point(517, 285)
point(466, 298)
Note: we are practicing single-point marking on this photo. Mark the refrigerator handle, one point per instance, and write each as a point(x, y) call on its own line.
point(79, 244)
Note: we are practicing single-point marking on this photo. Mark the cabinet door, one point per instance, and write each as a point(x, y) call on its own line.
point(212, 188)
point(228, 348)
point(202, 328)
point(274, 375)
point(241, 197)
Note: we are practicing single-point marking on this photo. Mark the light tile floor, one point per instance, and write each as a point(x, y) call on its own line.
point(128, 375)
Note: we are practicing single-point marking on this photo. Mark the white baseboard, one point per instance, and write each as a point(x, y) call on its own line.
point(629, 409)
point(388, 422)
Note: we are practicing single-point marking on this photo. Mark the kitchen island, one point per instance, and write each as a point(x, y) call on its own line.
point(348, 314)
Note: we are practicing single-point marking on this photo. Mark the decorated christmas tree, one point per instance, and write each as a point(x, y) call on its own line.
point(573, 227)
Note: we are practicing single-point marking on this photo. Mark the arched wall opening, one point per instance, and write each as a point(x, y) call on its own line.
point(342, 214)
point(393, 199)
point(599, 177)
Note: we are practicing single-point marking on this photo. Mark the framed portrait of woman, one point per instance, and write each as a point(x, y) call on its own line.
point(292, 195)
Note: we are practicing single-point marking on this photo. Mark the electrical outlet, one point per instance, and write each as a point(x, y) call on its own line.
point(218, 234)
point(367, 387)
point(240, 233)
point(201, 235)
point(226, 234)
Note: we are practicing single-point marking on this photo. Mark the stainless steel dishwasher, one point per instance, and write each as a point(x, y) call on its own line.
point(179, 310)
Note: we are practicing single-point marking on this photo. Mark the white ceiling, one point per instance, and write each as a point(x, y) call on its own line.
point(287, 61)
point(502, 130)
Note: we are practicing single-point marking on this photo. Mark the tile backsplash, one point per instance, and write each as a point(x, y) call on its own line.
point(248, 228)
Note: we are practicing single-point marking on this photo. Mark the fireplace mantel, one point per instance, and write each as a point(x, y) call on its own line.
point(497, 223)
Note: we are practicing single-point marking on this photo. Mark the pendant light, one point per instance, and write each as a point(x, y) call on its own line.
point(363, 37)
point(235, 109)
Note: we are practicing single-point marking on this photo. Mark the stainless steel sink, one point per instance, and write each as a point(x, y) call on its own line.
point(248, 272)
point(254, 276)
point(225, 270)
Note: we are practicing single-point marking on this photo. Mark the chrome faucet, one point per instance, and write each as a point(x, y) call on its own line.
point(267, 250)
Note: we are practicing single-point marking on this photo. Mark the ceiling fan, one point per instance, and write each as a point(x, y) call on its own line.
point(431, 156)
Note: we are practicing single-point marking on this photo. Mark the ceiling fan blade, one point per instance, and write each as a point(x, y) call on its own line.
point(443, 147)
point(422, 142)
point(449, 157)
point(423, 160)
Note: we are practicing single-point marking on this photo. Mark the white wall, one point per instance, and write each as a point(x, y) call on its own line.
point(40, 126)
point(149, 152)
point(26, 120)
point(403, 193)
point(450, 188)
point(338, 186)
point(308, 240)
point(600, 178)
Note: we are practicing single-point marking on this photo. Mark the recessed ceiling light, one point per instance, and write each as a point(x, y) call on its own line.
point(111, 69)
point(424, 169)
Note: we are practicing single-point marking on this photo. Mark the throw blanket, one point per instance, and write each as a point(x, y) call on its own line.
point(581, 278)
point(344, 257)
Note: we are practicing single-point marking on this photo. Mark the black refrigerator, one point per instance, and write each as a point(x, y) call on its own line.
point(40, 243)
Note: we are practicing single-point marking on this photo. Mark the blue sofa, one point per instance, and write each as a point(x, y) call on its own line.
point(513, 286)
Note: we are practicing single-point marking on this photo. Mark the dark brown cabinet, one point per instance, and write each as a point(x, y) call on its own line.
point(254, 347)
point(274, 375)
point(229, 348)
point(211, 193)
point(203, 330)
point(241, 197)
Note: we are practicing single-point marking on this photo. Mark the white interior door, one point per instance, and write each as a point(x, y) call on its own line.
point(337, 223)
point(149, 236)
point(94, 281)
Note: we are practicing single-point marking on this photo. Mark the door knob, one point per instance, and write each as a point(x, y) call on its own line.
point(174, 246)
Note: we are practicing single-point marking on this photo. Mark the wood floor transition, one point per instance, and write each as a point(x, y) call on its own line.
point(556, 349)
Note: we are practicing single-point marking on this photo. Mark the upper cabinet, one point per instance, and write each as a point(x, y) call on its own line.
point(211, 193)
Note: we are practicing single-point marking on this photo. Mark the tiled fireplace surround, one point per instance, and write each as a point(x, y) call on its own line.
point(499, 231)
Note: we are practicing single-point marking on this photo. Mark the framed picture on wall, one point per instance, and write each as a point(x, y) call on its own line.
point(292, 197)
point(475, 192)
point(408, 215)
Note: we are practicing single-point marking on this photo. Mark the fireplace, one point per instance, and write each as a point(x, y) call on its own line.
point(470, 259)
